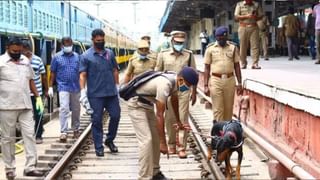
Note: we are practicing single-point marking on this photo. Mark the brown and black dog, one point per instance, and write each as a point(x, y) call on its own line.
point(228, 138)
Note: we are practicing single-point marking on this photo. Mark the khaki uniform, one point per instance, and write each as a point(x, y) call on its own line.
point(263, 25)
point(248, 31)
point(167, 61)
point(137, 66)
point(145, 123)
point(222, 89)
point(15, 106)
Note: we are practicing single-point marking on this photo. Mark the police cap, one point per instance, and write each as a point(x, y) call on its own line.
point(221, 31)
point(178, 36)
point(143, 44)
point(190, 75)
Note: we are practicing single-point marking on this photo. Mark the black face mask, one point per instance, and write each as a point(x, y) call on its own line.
point(15, 56)
point(99, 45)
point(222, 42)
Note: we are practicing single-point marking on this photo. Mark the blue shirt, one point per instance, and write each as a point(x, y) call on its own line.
point(66, 68)
point(99, 68)
point(38, 69)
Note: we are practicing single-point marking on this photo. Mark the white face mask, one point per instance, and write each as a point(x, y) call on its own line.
point(67, 49)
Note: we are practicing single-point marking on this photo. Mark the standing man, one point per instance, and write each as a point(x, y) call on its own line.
point(248, 12)
point(65, 70)
point(263, 25)
point(40, 79)
point(311, 35)
point(100, 71)
point(174, 59)
point(221, 64)
point(316, 14)
point(204, 41)
point(16, 80)
point(291, 28)
point(148, 125)
point(139, 64)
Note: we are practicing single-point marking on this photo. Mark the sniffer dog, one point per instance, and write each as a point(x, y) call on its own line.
point(227, 138)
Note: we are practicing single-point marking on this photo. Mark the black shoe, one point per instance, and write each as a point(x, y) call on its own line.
point(113, 148)
point(297, 58)
point(99, 153)
point(35, 173)
point(159, 176)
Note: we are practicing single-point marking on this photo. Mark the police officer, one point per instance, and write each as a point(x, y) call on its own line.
point(174, 59)
point(139, 64)
point(263, 25)
point(148, 125)
point(248, 12)
point(99, 69)
point(221, 64)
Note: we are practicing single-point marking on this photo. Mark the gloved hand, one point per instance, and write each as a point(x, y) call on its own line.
point(85, 102)
point(39, 105)
point(50, 92)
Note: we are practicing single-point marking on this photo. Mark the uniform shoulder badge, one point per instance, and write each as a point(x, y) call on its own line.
point(232, 43)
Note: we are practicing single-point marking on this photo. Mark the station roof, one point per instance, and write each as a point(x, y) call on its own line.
point(180, 14)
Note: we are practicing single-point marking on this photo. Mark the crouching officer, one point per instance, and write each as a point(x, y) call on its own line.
point(140, 63)
point(174, 59)
point(221, 62)
point(148, 125)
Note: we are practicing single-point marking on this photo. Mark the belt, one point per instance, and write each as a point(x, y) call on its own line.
point(242, 24)
point(222, 76)
point(144, 101)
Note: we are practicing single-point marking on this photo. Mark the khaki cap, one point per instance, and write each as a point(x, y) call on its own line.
point(178, 36)
point(143, 44)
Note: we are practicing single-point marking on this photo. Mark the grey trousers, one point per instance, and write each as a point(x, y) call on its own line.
point(69, 101)
point(8, 121)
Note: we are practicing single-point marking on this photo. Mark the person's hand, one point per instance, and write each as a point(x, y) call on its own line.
point(239, 90)
point(39, 105)
point(206, 90)
point(50, 92)
point(193, 99)
point(163, 148)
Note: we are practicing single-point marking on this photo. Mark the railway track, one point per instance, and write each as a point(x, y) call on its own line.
point(76, 159)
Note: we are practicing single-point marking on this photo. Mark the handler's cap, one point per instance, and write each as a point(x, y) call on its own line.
point(178, 36)
point(146, 37)
point(143, 44)
point(190, 75)
point(221, 31)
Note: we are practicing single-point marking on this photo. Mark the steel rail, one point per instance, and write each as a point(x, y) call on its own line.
point(63, 162)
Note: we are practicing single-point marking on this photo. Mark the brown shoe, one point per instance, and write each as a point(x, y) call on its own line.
point(10, 175)
point(182, 154)
point(317, 62)
point(172, 151)
point(255, 66)
point(63, 138)
point(35, 173)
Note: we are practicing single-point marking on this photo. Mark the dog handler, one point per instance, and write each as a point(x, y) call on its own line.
point(221, 64)
point(149, 125)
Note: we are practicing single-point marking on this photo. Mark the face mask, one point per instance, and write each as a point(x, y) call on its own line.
point(99, 45)
point(143, 57)
point(222, 42)
point(178, 47)
point(183, 88)
point(67, 49)
point(248, 2)
point(15, 56)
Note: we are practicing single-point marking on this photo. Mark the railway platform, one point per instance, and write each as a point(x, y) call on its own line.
point(283, 100)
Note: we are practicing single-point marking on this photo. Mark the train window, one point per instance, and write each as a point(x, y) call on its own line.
point(44, 21)
point(35, 19)
point(7, 11)
point(25, 16)
point(1, 11)
point(20, 17)
point(39, 20)
point(14, 12)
